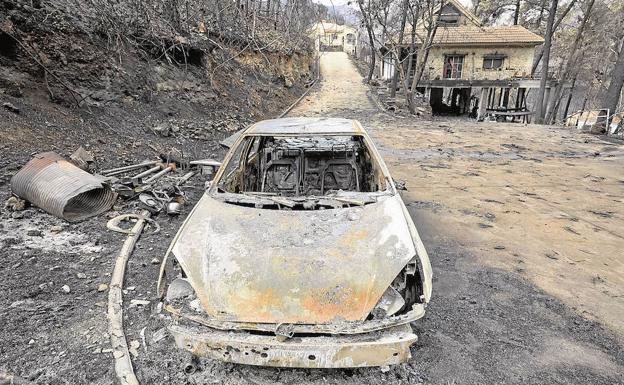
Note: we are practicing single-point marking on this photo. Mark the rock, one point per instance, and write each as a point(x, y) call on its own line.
point(139, 302)
point(34, 233)
point(81, 275)
point(162, 129)
point(102, 287)
point(155, 261)
point(27, 213)
point(17, 215)
point(66, 289)
point(31, 342)
point(179, 288)
point(15, 204)
point(82, 158)
point(134, 348)
point(56, 229)
point(11, 107)
point(159, 335)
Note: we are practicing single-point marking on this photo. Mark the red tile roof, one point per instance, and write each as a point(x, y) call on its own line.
point(469, 35)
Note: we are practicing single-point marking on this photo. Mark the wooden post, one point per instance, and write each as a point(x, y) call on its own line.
point(483, 101)
point(546, 101)
point(505, 97)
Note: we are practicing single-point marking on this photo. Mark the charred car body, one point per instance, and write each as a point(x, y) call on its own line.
point(301, 253)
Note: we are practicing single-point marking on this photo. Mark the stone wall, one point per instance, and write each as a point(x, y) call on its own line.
point(517, 62)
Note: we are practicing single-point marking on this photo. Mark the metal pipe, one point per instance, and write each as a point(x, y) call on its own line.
point(205, 162)
point(158, 175)
point(59, 187)
point(185, 178)
point(147, 172)
point(118, 170)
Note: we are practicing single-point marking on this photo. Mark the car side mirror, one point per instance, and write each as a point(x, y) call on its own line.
point(400, 185)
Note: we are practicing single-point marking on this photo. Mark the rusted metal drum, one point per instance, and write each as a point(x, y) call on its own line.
point(57, 186)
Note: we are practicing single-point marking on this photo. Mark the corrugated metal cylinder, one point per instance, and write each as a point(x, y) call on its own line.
point(57, 186)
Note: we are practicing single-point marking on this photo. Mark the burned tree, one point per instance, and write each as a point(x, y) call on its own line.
point(611, 97)
point(539, 102)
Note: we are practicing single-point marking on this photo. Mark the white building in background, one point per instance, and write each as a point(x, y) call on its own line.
point(330, 36)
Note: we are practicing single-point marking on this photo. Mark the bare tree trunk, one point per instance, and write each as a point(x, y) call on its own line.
point(371, 39)
point(409, 96)
point(426, 47)
point(475, 7)
point(517, 12)
point(539, 103)
point(555, 26)
point(397, 60)
point(611, 98)
point(541, 15)
point(551, 112)
point(570, 94)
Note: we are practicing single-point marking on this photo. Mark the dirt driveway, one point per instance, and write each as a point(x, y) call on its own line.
point(524, 225)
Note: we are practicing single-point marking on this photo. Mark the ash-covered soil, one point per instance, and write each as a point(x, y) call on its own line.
point(65, 84)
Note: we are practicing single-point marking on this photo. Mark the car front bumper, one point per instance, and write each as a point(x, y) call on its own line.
point(380, 348)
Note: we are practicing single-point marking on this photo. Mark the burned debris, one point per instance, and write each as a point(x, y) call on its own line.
point(302, 166)
point(62, 189)
point(336, 274)
point(66, 188)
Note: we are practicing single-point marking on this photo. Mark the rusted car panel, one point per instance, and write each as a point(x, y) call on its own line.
point(305, 126)
point(387, 347)
point(343, 328)
point(274, 266)
point(300, 248)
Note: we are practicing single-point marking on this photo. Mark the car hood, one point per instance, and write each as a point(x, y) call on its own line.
point(286, 266)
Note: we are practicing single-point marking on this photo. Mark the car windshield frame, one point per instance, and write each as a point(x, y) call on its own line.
point(367, 141)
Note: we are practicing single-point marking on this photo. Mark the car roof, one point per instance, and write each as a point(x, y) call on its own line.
point(301, 126)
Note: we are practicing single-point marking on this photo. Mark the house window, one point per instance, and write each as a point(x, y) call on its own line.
point(350, 38)
point(453, 66)
point(493, 62)
point(449, 16)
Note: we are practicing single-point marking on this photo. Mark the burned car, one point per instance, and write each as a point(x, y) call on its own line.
point(300, 253)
